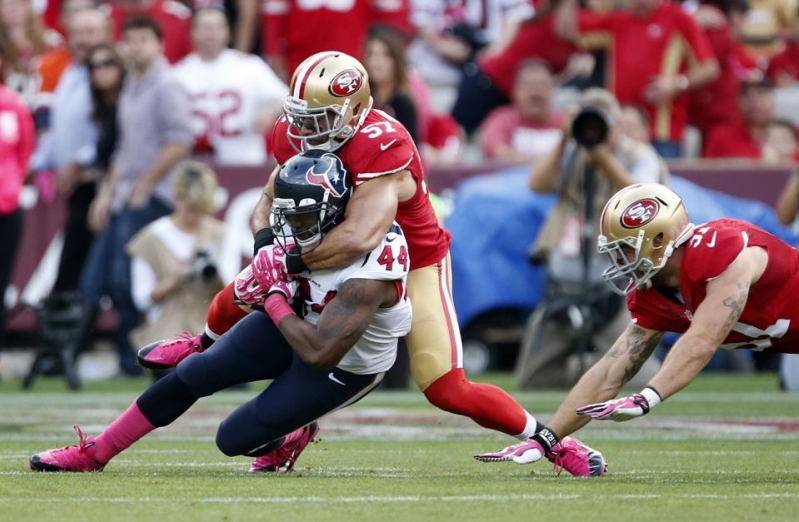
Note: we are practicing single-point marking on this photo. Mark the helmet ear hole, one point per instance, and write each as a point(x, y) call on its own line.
point(657, 241)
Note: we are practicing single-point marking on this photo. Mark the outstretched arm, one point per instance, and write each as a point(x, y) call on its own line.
point(341, 324)
point(713, 321)
point(604, 380)
point(711, 324)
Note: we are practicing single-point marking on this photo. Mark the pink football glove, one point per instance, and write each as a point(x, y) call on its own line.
point(285, 288)
point(247, 288)
point(623, 409)
point(269, 266)
point(522, 453)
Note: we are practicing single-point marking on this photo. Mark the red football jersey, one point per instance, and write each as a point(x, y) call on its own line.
point(641, 48)
point(383, 146)
point(770, 319)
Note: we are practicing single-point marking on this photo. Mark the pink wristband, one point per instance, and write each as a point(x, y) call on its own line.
point(277, 308)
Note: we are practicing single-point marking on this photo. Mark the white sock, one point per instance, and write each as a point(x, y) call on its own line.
point(529, 428)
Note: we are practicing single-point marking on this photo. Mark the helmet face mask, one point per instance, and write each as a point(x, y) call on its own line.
point(311, 193)
point(628, 270)
point(329, 98)
point(641, 226)
point(304, 225)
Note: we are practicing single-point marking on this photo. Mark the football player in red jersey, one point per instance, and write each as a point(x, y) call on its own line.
point(329, 108)
point(723, 284)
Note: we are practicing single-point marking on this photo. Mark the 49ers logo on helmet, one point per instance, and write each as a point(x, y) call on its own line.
point(346, 83)
point(639, 213)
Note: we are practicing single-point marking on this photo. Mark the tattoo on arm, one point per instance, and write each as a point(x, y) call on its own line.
point(638, 348)
point(736, 309)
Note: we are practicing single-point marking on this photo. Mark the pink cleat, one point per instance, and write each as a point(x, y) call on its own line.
point(75, 458)
point(569, 454)
point(162, 355)
point(577, 458)
point(282, 459)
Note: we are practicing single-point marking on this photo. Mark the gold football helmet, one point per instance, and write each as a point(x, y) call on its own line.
point(640, 227)
point(329, 98)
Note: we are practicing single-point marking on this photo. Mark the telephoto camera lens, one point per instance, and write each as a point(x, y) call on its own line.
point(591, 126)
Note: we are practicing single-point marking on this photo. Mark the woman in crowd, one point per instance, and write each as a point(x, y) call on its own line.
point(179, 261)
point(385, 61)
point(16, 145)
point(23, 39)
point(107, 72)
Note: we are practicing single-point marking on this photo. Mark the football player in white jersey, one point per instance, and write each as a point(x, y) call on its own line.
point(325, 361)
point(235, 96)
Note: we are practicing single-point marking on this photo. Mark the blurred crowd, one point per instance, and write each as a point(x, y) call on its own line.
point(104, 103)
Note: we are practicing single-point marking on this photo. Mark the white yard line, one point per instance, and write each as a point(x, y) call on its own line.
point(382, 499)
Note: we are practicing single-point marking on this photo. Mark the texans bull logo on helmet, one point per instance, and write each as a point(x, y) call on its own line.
point(332, 178)
point(639, 213)
point(345, 83)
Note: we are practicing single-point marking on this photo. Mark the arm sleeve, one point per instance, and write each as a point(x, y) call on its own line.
point(143, 281)
point(647, 167)
point(229, 260)
point(588, 22)
point(710, 251)
point(175, 113)
point(271, 89)
point(697, 39)
point(517, 10)
point(86, 155)
point(42, 157)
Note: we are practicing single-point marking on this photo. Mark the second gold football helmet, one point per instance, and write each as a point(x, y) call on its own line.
point(640, 227)
point(329, 98)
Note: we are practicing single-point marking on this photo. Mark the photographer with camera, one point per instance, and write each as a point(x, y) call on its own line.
point(591, 162)
point(176, 268)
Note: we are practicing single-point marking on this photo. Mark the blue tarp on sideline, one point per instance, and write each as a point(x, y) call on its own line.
point(496, 218)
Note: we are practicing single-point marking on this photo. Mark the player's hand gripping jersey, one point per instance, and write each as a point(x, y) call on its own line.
point(770, 319)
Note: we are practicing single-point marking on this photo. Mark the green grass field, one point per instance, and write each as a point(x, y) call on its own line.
point(725, 449)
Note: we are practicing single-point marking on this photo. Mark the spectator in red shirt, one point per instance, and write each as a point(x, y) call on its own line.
point(716, 104)
point(744, 139)
point(488, 84)
point(529, 127)
point(293, 30)
point(783, 69)
point(16, 146)
point(174, 17)
point(656, 53)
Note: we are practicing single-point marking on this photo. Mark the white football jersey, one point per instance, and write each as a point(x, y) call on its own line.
point(227, 96)
point(376, 350)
